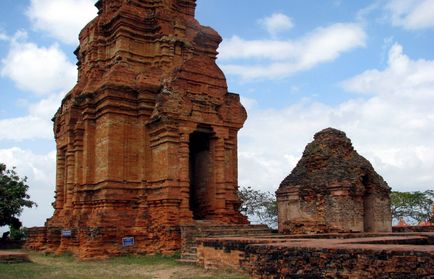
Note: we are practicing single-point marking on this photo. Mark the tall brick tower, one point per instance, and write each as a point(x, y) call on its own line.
point(147, 139)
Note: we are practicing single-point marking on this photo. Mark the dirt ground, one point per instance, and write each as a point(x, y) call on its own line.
point(66, 266)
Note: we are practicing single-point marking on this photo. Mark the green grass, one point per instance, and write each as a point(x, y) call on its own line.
point(66, 266)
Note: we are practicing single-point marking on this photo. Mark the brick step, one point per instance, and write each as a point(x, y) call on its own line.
point(215, 228)
point(187, 261)
point(13, 257)
point(232, 233)
point(240, 230)
point(192, 256)
point(229, 228)
point(213, 225)
point(202, 229)
point(191, 250)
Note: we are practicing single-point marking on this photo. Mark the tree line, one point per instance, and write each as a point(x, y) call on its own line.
point(13, 198)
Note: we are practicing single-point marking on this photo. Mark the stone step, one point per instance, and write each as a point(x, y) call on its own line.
point(240, 230)
point(230, 233)
point(210, 226)
point(192, 256)
point(187, 261)
point(191, 250)
point(225, 229)
point(203, 229)
point(7, 257)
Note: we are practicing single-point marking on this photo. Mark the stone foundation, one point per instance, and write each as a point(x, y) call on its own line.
point(189, 234)
point(36, 238)
point(325, 256)
point(7, 257)
point(102, 242)
point(413, 229)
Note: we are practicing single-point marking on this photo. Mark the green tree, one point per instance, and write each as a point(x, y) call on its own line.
point(414, 207)
point(13, 197)
point(259, 205)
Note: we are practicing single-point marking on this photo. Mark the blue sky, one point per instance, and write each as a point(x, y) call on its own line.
point(365, 67)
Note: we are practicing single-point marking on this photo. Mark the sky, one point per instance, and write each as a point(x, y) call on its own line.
point(364, 67)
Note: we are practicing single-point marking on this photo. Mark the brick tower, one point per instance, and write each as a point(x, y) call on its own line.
point(147, 139)
point(333, 189)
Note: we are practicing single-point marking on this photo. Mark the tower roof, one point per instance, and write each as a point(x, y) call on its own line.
point(331, 161)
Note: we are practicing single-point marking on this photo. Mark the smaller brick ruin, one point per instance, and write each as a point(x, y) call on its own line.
point(333, 189)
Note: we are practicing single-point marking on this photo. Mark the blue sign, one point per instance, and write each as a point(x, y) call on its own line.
point(127, 241)
point(66, 233)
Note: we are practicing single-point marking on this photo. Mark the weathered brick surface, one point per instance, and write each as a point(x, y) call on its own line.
point(36, 238)
point(212, 259)
point(147, 139)
point(8, 257)
point(413, 229)
point(333, 189)
point(359, 256)
point(189, 234)
point(283, 262)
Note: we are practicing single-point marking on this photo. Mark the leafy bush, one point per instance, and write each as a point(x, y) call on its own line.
point(259, 206)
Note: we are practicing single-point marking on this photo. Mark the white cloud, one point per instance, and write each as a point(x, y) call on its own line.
point(276, 23)
point(411, 14)
point(62, 19)
point(36, 125)
point(26, 127)
point(279, 58)
point(392, 126)
point(45, 72)
point(248, 103)
point(3, 36)
point(38, 168)
point(46, 107)
point(39, 70)
point(408, 79)
point(260, 49)
point(40, 171)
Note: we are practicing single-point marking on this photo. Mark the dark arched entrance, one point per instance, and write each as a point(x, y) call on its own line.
point(200, 166)
point(368, 206)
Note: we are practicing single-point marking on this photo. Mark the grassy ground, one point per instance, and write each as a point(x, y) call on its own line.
point(66, 266)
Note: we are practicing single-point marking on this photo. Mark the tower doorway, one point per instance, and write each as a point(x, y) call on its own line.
point(200, 166)
point(368, 206)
